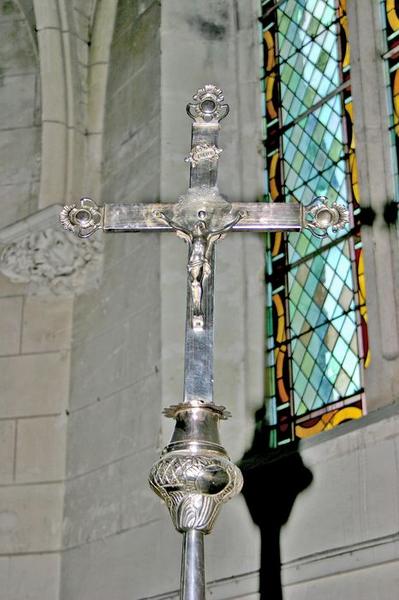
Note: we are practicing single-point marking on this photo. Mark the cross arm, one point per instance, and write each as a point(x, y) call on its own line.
point(256, 217)
point(85, 218)
point(136, 217)
point(318, 216)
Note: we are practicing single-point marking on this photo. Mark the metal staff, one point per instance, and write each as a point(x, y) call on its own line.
point(194, 475)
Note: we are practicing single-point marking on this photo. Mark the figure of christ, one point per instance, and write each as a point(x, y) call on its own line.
point(200, 241)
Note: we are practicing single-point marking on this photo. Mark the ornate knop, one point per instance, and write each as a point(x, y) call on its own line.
point(208, 105)
point(194, 487)
point(84, 219)
point(319, 217)
point(194, 475)
point(202, 152)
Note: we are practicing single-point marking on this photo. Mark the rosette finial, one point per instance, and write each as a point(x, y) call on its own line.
point(82, 219)
point(208, 105)
point(319, 217)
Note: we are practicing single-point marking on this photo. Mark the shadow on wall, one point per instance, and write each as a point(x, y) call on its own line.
point(273, 478)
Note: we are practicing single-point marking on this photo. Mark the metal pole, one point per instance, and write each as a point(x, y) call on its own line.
point(192, 580)
point(194, 475)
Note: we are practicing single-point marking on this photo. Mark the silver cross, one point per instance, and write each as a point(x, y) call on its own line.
point(194, 475)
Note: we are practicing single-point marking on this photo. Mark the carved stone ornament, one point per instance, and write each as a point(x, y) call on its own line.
point(47, 259)
point(194, 487)
point(319, 217)
point(202, 152)
point(208, 105)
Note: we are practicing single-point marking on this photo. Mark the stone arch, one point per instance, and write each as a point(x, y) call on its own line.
point(103, 22)
point(63, 50)
point(73, 40)
point(57, 95)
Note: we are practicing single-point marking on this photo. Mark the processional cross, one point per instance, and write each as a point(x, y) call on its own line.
point(194, 475)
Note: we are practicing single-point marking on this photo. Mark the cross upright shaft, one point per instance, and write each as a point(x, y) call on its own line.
point(194, 475)
point(206, 113)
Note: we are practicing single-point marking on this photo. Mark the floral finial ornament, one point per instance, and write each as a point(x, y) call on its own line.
point(84, 219)
point(319, 217)
point(208, 105)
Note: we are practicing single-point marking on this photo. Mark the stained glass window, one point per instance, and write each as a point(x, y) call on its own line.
point(316, 320)
point(390, 18)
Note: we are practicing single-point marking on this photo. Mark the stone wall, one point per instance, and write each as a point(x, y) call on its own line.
point(111, 517)
point(342, 536)
point(34, 344)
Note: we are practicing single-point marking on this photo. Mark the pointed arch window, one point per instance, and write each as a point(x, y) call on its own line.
point(317, 343)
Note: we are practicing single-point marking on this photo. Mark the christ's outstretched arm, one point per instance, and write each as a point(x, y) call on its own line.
point(179, 228)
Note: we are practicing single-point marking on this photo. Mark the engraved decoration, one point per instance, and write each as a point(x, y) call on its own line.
point(194, 487)
point(208, 105)
point(84, 219)
point(50, 261)
point(202, 152)
point(319, 217)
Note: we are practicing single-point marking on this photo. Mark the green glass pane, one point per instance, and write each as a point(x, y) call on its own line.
point(333, 369)
point(302, 408)
point(311, 396)
point(317, 377)
point(307, 365)
point(300, 382)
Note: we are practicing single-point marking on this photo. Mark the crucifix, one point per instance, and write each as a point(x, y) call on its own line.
point(194, 475)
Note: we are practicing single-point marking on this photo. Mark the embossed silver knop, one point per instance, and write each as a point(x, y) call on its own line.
point(195, 487)
point(83, 219)
point(208, 105)
point(194, 476)
point(319, 217)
